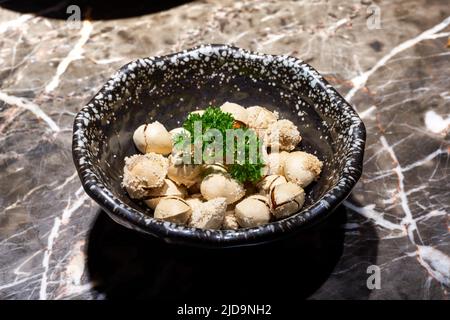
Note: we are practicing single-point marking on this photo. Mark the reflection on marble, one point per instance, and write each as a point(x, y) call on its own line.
point(397, 77)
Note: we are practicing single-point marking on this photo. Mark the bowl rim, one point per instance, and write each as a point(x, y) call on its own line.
point(170, 232)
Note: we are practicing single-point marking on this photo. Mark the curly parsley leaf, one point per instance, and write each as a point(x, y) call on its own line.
point(214, 118)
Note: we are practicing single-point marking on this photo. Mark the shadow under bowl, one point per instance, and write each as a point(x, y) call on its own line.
point(167, 88)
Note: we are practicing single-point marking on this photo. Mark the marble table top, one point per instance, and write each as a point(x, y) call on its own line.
point(391, 60)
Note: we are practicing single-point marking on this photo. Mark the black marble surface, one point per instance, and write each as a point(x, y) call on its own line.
point(55, 243)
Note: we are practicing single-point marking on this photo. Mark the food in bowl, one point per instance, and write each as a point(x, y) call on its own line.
point(166, 88)
point(226, 168)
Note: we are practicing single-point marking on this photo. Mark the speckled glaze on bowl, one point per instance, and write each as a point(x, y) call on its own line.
point(166, 88)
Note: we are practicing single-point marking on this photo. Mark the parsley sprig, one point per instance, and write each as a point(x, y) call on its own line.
point(244, 169)
point(212, 118)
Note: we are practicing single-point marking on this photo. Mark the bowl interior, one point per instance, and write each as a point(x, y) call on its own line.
point(183, 83)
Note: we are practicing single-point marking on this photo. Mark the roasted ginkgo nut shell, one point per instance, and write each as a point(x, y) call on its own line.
point(275, 162)
point(184, 174)
point(214, 168)
point(169, 188)
point(173, 209)
point(268, 182)
point(259, 119)
point(238, 112)
point(209, 214)
point(302, 168)
point(194, 200)
point(282, 135)
point(153, 137)
point(286, 199)
point(221, 185)
point(230, 221)
point(142, 172)
point(252, 211)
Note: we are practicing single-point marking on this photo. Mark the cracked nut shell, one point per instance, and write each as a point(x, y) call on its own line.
point(153, 137)
point(169, 188)
point(173, 209)
point(286, 199)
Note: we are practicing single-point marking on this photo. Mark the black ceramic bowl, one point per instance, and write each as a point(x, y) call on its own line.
point(167, 88)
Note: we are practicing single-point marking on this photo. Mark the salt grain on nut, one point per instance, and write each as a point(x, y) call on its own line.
point(209, 214)
point(302, 168)
point(282, 135)
point(220, 185)
point(142, 172)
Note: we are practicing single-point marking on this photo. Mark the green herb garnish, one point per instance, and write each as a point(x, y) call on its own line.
point(247, 169)
point(212, 118)
point(243, 168)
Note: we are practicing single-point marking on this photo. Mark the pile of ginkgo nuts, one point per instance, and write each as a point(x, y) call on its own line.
point(207, 196)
